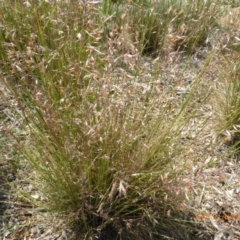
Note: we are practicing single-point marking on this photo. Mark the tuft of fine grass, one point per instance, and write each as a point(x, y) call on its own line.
point(113, 166)
point(229, 107)
point(155, 27)
point(172, 25)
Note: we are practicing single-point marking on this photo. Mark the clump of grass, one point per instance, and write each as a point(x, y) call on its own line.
point(229, 84)
point(110, 164)
point(229, 119)
point(160, 26)
point(229, 34)
point(152, 27)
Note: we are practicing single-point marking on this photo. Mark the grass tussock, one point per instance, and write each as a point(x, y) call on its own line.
point(173, 25)
point(228, 86)
point(111, 164)
point(229, 106)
